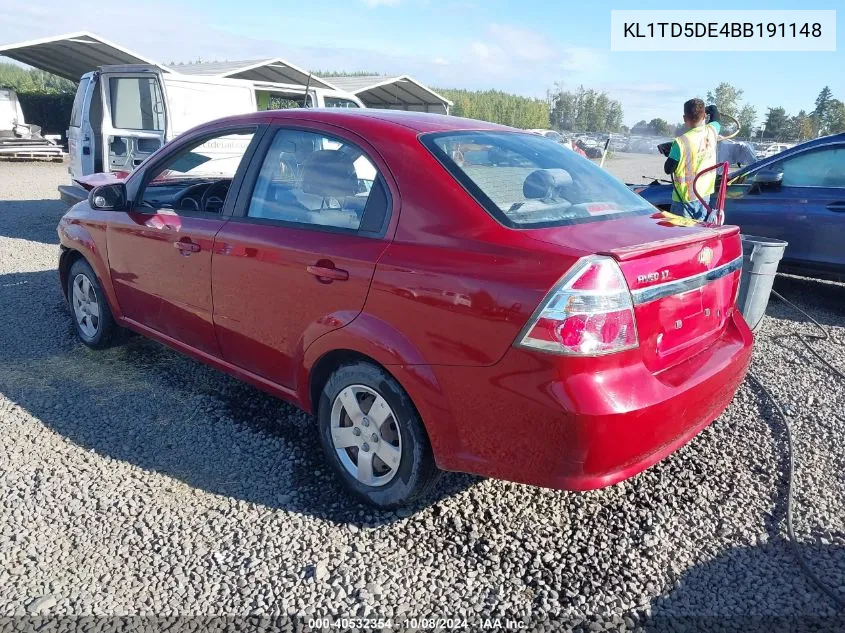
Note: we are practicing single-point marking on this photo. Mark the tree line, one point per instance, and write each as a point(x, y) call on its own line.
point(498, 107)
point(584, 110)
point(826, 117)
point(33, 81)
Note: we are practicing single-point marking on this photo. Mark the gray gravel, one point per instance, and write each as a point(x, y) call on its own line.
point(635, 168)
point(137, 481)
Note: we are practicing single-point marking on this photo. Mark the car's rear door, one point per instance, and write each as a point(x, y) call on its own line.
point(807, 209)
point(134, 117)
point(297, 258)
point(160, 251)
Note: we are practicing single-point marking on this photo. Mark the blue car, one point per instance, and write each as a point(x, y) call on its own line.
point(797, 196)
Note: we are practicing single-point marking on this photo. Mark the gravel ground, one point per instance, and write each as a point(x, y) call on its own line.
point(635, 168)
point(137, 481)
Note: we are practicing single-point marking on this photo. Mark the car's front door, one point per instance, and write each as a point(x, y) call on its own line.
point(806, 208)
point(297, 259)
point(160, 250)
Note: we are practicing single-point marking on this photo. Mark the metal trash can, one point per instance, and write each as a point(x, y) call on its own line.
point(760, 259)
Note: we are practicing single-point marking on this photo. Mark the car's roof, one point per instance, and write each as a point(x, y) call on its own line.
point(419, 121)
point(353, 118)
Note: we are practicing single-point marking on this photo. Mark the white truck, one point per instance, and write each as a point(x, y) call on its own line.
point(122, 114)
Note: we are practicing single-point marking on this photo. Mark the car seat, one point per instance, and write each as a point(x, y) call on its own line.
point(328, 190)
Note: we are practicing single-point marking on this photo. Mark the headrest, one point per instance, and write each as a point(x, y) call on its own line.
point(545, 183)
point(329, 173)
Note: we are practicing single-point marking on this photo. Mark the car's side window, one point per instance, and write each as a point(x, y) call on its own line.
point(309, 178)
point(816, 168)
point(197, 178)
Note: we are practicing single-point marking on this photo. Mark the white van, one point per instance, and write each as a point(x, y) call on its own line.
point(122, 114)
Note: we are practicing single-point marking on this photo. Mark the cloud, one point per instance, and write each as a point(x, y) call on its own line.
point(500, 56)
point(647, 100)
point(582, 60)
point(521, 44)
point(524, 59)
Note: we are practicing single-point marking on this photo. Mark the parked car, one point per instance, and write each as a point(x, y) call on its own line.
point(773, 148)
point(529, 320)
point(797, 196)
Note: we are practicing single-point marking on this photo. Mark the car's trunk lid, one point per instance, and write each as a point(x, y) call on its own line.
point(95, 180)
point(683, 277)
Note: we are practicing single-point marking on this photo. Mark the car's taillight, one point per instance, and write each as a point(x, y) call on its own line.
point(589, 312)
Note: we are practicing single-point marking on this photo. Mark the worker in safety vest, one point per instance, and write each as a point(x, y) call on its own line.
point(690, 153)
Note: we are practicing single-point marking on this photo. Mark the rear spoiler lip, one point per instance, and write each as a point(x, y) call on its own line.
point(653, 248)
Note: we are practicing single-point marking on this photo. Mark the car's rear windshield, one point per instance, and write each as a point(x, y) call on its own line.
point(528, 181)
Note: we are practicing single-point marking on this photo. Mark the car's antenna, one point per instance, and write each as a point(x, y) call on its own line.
point(307, 86)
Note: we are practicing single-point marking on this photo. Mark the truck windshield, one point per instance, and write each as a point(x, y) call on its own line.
point(529, 181)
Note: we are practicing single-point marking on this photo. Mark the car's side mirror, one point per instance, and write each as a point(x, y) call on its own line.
point(111, 197)
point(766, 179)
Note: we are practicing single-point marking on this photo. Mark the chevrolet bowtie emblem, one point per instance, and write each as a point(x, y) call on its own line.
point(705, 257)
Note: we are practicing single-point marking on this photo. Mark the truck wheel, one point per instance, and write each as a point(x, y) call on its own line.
point(94, 323)
point(374, 438)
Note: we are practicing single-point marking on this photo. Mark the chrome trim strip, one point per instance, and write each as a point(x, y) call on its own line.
point(652, 293)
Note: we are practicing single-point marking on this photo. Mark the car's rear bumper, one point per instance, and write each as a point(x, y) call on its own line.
point(72, 194)
point(532, 419)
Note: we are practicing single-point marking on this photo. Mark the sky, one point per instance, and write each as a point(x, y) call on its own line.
point(524, 46)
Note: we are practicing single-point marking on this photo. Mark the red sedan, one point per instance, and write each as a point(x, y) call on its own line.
point(442, 294)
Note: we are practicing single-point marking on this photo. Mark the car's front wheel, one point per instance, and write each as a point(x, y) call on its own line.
point(374, 438)
point(94, 323)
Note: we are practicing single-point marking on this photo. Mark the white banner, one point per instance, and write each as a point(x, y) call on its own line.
point(712, 30)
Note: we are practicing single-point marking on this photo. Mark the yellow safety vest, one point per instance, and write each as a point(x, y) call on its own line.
point(698, 152)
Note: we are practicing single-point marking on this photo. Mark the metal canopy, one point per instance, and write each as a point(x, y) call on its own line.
point(399, 93)
point(72, 55)
point(268, 70)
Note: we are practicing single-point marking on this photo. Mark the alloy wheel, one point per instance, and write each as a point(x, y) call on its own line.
point(366, 435)
point(86, 308)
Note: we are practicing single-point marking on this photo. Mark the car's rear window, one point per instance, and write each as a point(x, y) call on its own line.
point(528, 181)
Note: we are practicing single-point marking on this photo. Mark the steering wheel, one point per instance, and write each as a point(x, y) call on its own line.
point(189, 196)
point(214, 196)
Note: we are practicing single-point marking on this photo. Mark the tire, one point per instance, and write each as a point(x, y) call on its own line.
point(407, 471)
point(92, 317)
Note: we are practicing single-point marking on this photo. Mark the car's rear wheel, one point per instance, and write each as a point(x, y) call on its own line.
point(94, 323)
point(374, 438)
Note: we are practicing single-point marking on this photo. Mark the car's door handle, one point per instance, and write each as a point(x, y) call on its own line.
point(836, 206)
point(328, 273)
point(187, 246)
